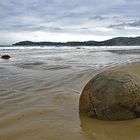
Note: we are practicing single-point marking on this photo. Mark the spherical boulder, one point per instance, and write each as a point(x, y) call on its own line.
point(111, 95)
point(6, 57)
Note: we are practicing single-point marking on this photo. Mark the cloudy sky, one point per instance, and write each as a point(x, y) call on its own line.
point(67, 20)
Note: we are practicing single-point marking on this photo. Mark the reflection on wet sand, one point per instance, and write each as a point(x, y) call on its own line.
point(95, 129)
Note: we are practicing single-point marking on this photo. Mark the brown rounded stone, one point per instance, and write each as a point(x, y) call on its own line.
point(111, 95)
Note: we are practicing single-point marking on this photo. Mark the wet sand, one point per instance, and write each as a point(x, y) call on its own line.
point(39, 96)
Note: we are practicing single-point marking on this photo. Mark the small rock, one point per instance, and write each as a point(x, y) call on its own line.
point(111, 95)
point(5, 57)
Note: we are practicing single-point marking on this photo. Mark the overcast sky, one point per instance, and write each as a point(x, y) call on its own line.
point(67, 20)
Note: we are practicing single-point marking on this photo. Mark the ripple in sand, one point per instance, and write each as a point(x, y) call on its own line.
point(13, 97)
point(29, 65)
point(42, 66)
point(24, 117)
point(57, 67)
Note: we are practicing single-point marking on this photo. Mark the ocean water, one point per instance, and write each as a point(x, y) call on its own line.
point(86, 56)
point(40, 89)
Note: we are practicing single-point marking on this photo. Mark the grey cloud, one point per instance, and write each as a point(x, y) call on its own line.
point(123, 25)
point(117, 26)
point(98, 17)
point(135, 24)
point(24, 28)
point(73, 16)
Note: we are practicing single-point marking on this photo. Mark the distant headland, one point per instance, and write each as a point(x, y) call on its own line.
point(118, 41)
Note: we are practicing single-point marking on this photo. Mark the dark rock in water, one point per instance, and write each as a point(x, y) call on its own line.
point(5, 57)
point(111, 95)
point(78, 48)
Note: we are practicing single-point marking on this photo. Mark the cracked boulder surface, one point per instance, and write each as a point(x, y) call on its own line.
point(111, 95)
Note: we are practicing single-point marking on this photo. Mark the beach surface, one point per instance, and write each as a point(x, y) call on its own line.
point(40, 90)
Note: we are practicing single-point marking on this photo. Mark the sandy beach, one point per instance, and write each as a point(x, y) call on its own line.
point(40, 89)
